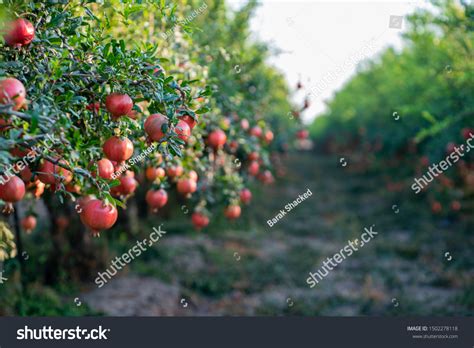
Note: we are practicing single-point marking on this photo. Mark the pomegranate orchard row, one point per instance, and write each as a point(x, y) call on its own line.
point(118, 119)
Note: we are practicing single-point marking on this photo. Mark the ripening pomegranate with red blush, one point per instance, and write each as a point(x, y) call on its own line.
point(154, 125)
point(118, 149)
point(20, 32)
point(156, 199)
point(97, 215)
point(13, 190)
point(13, 92)
point(217, 139)
point(118, 104)
point(183, 131)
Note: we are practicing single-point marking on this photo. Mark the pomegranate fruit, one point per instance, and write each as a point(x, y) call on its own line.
point(105, 168)
point(118, 104)
point(48, 173)
point(199, 220)
point(186, 186)
point(156, 199)
point(232, 212)
point(154, 126)
point(253, 168)
point(266, 177)
point(20, 32)
point(183, 130)
point(94, 107)
point(436, 207)
point(256, 131)
point(245, 196)
point(118, 149)
point(13, 190)
point(268, 137)
point(174, 171)
point(28, 223)
point(97, 215)
point(302, 134)
point(455, 206)
point(193, 175)
point(152, 173)
point(244, 123)
point(12, 91)
point(467, 133)
point(253, 156)
point(62, 222)
point(217, 139)
point(127, 186)
point(191, 121)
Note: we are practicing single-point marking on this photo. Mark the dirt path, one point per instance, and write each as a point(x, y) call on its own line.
point(252, 269)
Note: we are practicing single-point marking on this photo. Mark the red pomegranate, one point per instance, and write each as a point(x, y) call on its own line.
point(186, 186)
point(450, 147)
point(302, 134)
point(266, 177)
point(268, 137)
point(73, 188)
point(455, 206)
point(436, 207)
point(244, 123)
point(13, 190)
point(256, 131)
point(97, 215)
point(193, 175)
point(20, 32)
point(106, 168)
point(118, 104)
point(253, 156)
point(199, 220)
point(28, 223)
point(217, 139)
point(232, 212)
point(48, 170)
point(174, 171)
point(118, 149)
point(253, 168)
point(4, 124)
point(154, 126)
point(191, 121)
point(127, 186)
point(245, 196)
point(12, 91)
point(26, 174)
point(234, 145)
point(82, 202)
point(466, 133)
point(183, 130)
point(62, 222)
point(152, 173)
point(156, 199)
point(94, 107)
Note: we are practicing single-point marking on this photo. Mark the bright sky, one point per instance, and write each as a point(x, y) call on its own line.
point(323, 41)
